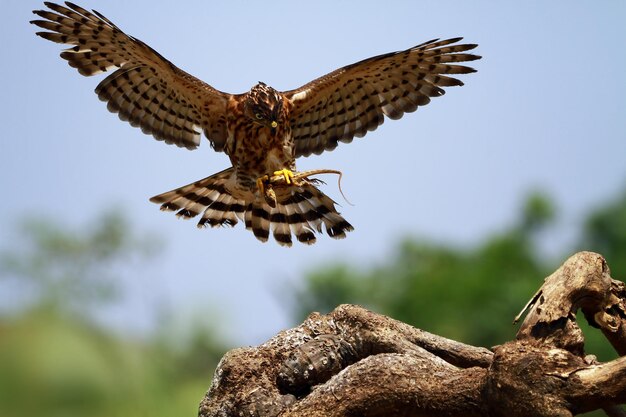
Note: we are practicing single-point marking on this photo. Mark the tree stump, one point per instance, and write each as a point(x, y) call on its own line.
point(353, 362)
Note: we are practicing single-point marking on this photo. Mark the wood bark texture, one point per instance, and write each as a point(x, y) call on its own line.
point(353, 362)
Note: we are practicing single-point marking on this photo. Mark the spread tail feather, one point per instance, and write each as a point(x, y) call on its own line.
point(301, 210)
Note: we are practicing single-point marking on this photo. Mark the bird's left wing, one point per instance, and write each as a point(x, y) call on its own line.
point(355, 99)
point(146, 89)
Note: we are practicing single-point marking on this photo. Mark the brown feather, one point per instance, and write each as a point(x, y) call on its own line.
point(353, 100)
point(143, 82)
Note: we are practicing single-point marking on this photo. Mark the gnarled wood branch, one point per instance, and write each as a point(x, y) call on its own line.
point(353, 362)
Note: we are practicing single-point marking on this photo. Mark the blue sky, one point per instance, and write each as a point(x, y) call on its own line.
point(546, 110)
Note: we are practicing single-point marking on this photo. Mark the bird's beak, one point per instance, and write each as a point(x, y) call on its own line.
point(274, 124)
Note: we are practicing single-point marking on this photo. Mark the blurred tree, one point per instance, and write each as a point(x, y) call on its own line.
point(53, 267)
point(537, 213)
point(467, 294)
point(191, 341)
point(605, 233)
point(55, 360)
point(65, 367)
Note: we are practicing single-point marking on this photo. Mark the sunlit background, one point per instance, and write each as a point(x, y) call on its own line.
point(110, 307)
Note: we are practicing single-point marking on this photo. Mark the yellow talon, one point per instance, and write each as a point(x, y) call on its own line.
point(287, 174)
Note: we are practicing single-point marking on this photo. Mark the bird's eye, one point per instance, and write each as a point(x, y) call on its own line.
point(259, 116)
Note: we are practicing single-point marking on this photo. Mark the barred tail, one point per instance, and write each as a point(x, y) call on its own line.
point(300, 210)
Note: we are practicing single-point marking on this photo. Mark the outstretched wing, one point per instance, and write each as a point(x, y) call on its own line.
point(354, 99)
point(146, 90)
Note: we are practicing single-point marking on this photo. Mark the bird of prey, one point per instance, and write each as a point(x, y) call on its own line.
point(263, 131)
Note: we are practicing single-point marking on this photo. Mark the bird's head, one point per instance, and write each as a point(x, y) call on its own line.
point(264, 105)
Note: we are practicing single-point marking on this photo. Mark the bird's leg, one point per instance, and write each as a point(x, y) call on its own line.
point(266, 190)
point(260, 183)
point(288, 174)
point(264, 184)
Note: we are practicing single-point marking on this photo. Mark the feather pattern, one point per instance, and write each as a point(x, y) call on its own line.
point(145, 89)
point(300, 211)
point(353, 100)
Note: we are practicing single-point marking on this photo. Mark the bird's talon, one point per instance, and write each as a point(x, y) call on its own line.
point(287, 174)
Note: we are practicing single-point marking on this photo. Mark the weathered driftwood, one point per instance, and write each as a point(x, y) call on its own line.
point(353, 362)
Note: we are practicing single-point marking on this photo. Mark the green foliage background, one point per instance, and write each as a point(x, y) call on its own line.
point(55, 360)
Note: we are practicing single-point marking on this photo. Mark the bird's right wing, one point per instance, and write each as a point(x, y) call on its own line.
point(146, 90)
